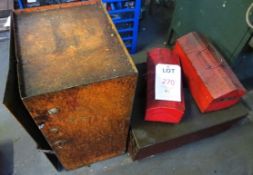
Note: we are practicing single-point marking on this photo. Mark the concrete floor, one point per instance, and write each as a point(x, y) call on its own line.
point(229, 153)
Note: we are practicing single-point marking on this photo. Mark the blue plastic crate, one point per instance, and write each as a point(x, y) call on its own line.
point(125, 15)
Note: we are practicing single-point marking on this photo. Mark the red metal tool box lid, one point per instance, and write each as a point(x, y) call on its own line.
point(206, 67)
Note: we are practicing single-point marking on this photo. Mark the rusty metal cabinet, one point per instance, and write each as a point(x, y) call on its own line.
point(76, 79)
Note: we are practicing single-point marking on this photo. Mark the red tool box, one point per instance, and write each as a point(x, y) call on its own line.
point(165, 101)
point(211, 81)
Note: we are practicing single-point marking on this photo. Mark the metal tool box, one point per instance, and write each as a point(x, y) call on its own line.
point(148, 138)
point(212, 82)
point(76, 79)
point(157, 109)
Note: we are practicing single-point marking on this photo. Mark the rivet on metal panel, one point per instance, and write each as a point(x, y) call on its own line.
point(53, 111)
point(60, 143)
point(54, 130)
point(41, 126)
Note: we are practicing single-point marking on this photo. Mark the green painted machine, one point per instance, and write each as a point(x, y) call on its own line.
point(221, 21)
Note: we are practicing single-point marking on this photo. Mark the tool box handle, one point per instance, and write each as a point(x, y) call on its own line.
point(215, 54)
point(199, 44)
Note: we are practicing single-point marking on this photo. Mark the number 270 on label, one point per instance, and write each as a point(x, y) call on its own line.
point(168, 82)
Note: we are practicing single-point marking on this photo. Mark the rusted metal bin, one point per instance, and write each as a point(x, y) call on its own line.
point(76, 79)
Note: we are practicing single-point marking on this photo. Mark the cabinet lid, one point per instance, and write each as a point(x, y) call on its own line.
point(63, 47)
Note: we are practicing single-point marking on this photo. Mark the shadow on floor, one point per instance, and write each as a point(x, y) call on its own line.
point(15, 105)
point(6, 158)
point(154, 27)
point(153, 30)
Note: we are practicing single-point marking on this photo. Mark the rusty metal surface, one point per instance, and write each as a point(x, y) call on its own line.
point(76, 80)
point(148, 138)
point(67, 47)
point(91, 122)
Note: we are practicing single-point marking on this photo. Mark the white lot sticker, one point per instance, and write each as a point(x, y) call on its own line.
point(168, 82)
point(31, 1)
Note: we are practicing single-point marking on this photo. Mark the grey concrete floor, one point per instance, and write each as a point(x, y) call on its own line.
point(229, 153)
